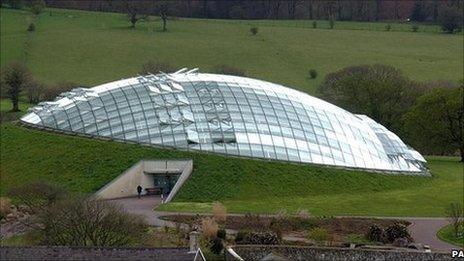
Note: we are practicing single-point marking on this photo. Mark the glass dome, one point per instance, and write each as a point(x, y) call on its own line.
point(228, 115)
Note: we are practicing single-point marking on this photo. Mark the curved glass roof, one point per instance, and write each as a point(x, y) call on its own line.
point(228, 115)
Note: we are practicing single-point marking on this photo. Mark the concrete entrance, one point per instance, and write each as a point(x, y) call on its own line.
point(154, 176)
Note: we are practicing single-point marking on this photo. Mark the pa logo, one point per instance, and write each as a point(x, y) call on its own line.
point(457, 253)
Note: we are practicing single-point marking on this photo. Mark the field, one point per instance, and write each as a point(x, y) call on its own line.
point(90, 48)
point(243, 185)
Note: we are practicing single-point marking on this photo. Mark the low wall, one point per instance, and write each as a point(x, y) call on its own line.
point(248, 252)
point(93, 253)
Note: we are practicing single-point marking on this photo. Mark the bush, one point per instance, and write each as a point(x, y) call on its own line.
point(312, 74)
point(31, 27)
point(154, 67)
point(219, 212)
point(450, 20)
point(331, 22)
point(228, 70)
point(222, 233)
point(319, 235)
point(217, 246)
point(209, 227)
point(35, 92)
point(388, 27)
point(415, 28)
point(254, 30)
point(257, 238)
point(37, 6)
point(401, 242)
point(51, 92)
point(375, 233)
point(314, 24)
point(396, 231)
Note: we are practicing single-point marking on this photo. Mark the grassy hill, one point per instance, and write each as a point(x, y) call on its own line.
point(244, 185)
point(91, 48)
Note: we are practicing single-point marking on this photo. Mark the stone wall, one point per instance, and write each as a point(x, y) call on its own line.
point(94, 253)
point(324, 253)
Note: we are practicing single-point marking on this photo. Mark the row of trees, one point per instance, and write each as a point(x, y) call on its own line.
point(428, 116)
point(352, 10)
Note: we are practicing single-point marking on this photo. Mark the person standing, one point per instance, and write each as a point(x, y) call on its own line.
point(139, 190)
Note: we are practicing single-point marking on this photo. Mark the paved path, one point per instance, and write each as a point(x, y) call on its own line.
point(423, 230)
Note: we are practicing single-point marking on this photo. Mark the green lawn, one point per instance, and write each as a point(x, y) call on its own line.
point(447, 234)
point(243, 185)
point(89, 48)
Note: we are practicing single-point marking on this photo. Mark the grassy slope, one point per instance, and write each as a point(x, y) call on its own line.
point(243, 185)
point(446, 234)
point(91, 48)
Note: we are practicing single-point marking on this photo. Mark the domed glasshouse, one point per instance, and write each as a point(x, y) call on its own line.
point(228, 115)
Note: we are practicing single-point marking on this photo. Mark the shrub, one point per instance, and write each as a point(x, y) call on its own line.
point(450, 19)
point(241, 236)
point(221, 233)
point(219, 212)
point(401, 242)
point(396, 231)
point(5, 207)
point(415, 28)
point(31, 27)
point(312, 74)
point(319, 235)
point(455, 214)
point(209, 227)
point(154, 67)
point(375, 233)
point(217, 245)
point(51, 92)
point(228, 70)
point(35, 92)
point(314, 24)
point(254, 30)
point(37, 6)
point(388, 27)
point(331, 22)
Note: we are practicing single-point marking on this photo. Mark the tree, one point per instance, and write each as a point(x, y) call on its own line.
point(379, 91)
point(163, 9)
point(35, 92)
point(49, 93)
point(15, 4)
point(450, 19)
point(135, 11)
point(435, 122)
point(16, 77)
point(65, 219)
point(418, 12)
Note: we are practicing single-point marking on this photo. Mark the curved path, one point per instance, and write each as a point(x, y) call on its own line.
point(423, 230)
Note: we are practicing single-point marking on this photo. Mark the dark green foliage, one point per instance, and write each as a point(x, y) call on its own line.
point(388, 27)
point(376, 234)
point(312, 74)
point(254, 30)
point(217, 245)
point(229, 70)
point(257, 238)
point(31, 27)
point(15, 4)
point(221, 233)
point(418, 11)
point(331, 22)
point(15, 77)
point(396, 231)
point(37, 6)
point(438, 117)
point(314, 24)
point(414, 28)
point(450, 20)
point(381, 92)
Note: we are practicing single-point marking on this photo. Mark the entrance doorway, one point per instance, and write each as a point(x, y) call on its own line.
point(164, 183)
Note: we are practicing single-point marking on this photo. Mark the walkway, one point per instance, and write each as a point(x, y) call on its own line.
point(423, 230)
